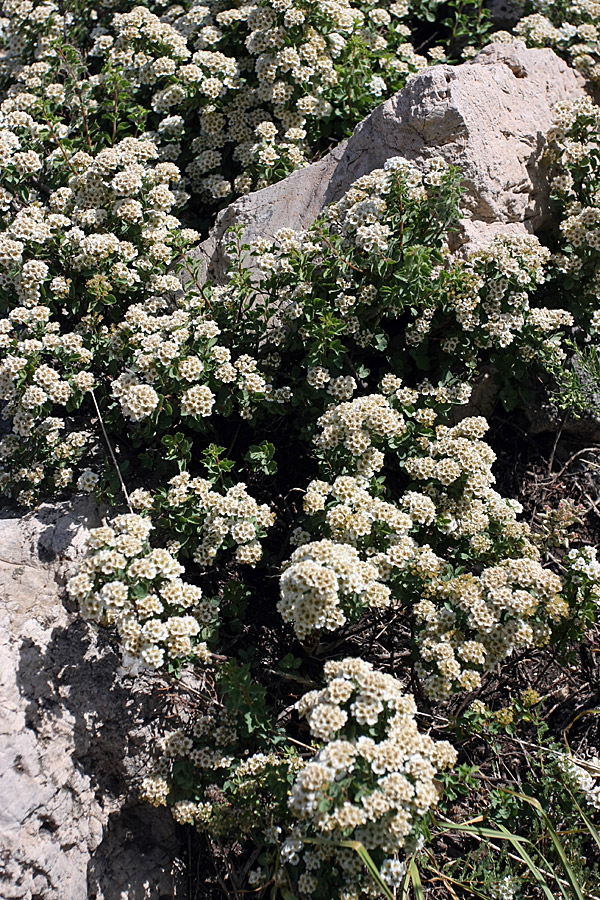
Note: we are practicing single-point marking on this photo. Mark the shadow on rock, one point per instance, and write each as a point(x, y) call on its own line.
point(77, 703)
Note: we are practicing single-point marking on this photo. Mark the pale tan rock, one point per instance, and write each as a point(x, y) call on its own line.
point(71, 734)
point(488, 116)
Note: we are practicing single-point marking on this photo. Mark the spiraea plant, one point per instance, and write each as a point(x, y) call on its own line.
point(302, 509)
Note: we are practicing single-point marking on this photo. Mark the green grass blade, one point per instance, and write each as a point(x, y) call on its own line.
point(502, 833)
point(589, 824)
point(524, 855)
point(416, 880)
point(373, 871)
point(365, 858)
point(481, 831)
point(406, 887)
point(367, 861)
point(568, 871)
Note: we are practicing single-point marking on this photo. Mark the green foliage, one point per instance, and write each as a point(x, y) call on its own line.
point(260, 458)
point(328, 371)
point(217, 465)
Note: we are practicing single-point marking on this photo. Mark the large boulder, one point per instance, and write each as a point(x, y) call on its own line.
point(73, 731)
point(488, 116)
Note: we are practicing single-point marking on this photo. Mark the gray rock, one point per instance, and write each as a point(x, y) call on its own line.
point(488, 116)
point(72, 734)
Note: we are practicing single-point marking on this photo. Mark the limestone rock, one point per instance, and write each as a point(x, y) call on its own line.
point(71, 733)
point(487, 116)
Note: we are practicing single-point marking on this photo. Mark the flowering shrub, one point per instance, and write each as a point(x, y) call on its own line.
point(214, 776)
point(205, 521)
point(569, 28)
point(125, 582)
point(573, 155)
point(373, 779)
point(584, 775)
point(297, 435)
point(413, 553)
point(237, 96)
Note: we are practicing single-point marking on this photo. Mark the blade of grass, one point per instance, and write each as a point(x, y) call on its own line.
point(568, 871)
point(502, 833)
point(415, 877)
point(365, 858)
point(406, 887)
point(449, 881)
point(481, 831)
point(371, 867)
point(584, 712)
point(520, 850)
point(589, 824)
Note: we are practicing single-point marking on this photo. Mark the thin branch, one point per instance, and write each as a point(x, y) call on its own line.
point(110, 450)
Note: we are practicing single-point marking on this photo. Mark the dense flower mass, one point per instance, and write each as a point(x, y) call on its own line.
point(318, 576)
point(125, 582)
point(213, 521)
point(305, 434)
point(374, 788)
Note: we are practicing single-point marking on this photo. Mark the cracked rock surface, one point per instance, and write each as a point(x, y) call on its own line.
point(72, 734)
point(488, 116)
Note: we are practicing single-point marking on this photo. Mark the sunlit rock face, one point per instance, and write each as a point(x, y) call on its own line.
point(72, 733)
point(488, 116)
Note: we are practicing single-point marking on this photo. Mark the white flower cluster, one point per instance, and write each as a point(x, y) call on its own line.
point(468, 623)
point(214, 521)
point(573, 141)
point(456, 468)
point(207, 743)
point(404, 552)
point(584, 565)
point(361, 213)
point(258, 78)
point(497, 307)
point(210, 747)
point(572, 29)
point(583, 774)
point(177, 354)
point(319, 582)
point(456, 497)
point(505, 889)
point(374, 778)
point(126, 583)
point(356, 423)
point(355, 513)
point(106, 232)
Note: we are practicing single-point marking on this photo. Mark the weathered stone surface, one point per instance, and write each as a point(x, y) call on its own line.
point(71, 735)
point(488, 116)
